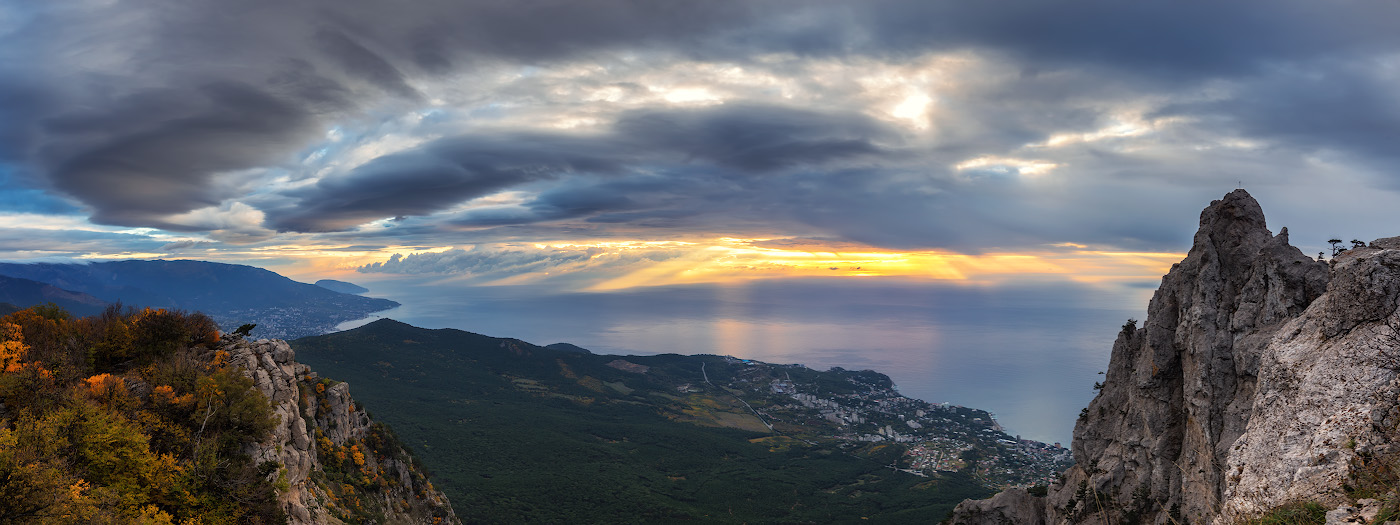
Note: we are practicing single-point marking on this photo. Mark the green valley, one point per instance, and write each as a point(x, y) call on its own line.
point(516, 432)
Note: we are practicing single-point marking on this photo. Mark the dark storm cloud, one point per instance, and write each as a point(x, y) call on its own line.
point(561, 28)
point(749, 139)
point(755, 138)
point(22, 104)
point(1349, 107)
point(203, 88)
point(361, 62)
point(164, 164)
point(142, 111)
point(1194, 39)
point(439, 175)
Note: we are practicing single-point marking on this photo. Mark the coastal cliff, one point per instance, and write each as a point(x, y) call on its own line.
point(337, 465)
point(1260, 377)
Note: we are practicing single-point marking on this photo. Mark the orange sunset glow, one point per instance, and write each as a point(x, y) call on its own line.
point(617, 265)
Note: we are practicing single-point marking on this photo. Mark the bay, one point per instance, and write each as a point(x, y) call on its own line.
point(1029, 352)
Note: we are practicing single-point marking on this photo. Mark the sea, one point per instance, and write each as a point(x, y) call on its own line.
point(1029, 352)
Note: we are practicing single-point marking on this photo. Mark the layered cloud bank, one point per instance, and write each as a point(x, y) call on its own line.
point(353, 130)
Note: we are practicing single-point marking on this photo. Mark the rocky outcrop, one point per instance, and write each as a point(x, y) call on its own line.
point(1245, 388)
point(1008, 507)
point(1327, 392)
point(334, 464)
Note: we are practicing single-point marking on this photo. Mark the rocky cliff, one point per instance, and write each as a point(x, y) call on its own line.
point(1260, 377)
point(335, 464)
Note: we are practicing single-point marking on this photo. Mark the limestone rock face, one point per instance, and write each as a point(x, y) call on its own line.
point(1233, 349)
point(1008, 507)
point(275, 374)
point(1180, 390)
point(319, 416)
point(1327, 391)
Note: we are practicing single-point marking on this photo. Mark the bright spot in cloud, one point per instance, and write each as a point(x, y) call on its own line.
point(1007, 164)
point(1127, 126)
point(914, 109)
point(232, 215)
point(692, 96)
point(35, 221)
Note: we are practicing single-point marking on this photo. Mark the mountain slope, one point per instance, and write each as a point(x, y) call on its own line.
point(230, 293)
point(341, 286)
point(522, 433)
point(22, 293)
point(1259, 378)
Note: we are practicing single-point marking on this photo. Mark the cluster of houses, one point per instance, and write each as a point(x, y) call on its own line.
point(936, 435)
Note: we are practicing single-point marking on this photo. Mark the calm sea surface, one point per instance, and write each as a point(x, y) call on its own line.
point(1029, 353)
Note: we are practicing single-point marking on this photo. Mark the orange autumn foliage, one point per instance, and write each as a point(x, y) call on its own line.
point(358, 456)
point(12, 347)
point(165, 394)
point(104, 386)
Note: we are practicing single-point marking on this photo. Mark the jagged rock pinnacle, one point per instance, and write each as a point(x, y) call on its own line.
point(1234, 228)
point(1179, 391)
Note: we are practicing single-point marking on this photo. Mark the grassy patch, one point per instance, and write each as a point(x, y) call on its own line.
point(1300, 513)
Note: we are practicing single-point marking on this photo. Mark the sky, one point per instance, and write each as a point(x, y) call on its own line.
point(611, 144)
point(618, 146)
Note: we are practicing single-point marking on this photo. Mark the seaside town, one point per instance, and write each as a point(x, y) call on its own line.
point(863, 409)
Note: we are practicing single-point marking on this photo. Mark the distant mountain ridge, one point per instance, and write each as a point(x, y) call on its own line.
point(568, 347)
point(20, 293)
point(341, 286)
point(232, 294)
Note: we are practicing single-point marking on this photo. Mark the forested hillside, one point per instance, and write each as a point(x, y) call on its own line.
point(518, 433)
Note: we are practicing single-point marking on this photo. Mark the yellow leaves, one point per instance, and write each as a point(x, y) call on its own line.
point(220, 359)
point(209, 389)
point(12, 347)
point(152, 515)
point(167, 470)
point(358, 456)
point(76, 490)
point(320, 388)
